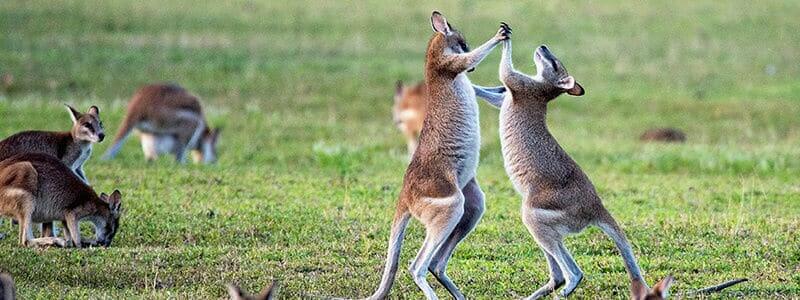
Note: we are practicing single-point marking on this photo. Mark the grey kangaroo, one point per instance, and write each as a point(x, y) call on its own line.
point(37, 187)
point(7, 291)
point(439, 187)
point(558, 198)
point(72, 147)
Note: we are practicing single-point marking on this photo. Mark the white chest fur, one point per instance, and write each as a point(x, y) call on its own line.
point(469, 134)
point(86, 152)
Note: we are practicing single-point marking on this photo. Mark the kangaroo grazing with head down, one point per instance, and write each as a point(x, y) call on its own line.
point(439, 188)
point(72, 147)
point(410, 108)
point(170, 120)
point(558, 198)
point(37, 187)
point(7, 290)
point(237, 293)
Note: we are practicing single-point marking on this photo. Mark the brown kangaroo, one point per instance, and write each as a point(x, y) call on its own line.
point(439, 188)
point(37, 187)
point(410, 108)
point(170, 120)
point(237, 293)
point(72, 147)
point(558, 198)
point(7, 291)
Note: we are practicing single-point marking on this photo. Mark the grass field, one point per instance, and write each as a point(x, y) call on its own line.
point(311, 164)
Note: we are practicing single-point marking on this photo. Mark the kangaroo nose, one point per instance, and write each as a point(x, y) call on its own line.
point(101, 136)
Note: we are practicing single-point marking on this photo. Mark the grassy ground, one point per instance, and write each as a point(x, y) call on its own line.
point(311, 165)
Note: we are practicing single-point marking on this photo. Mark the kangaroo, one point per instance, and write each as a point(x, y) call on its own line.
point(236, 293)
point(410, 107)
point(36, 187)
point(439, 187)
point(558, 198)
point(7, 291)
point(170, 120)
point(72, 147)
point(667, 135)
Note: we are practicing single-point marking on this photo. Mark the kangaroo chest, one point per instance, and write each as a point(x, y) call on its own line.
point(77, 156)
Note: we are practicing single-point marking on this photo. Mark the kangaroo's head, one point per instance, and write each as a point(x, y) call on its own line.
point(454, 41)
point(409, 103)
point(237, 293)
point(206, 151)
point(86, 127)
point(7, 291)
point(552, 76)
point(658, 292)
point(107, 224)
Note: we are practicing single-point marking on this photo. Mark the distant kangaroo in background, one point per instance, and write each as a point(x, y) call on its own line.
point(37, 187)
point(72, 147)
point(170, 120)
point(410, 108)
point(558, 198)
point(439, 188)
point(237, 293)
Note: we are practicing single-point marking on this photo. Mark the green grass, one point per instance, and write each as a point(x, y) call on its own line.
point(311, 164)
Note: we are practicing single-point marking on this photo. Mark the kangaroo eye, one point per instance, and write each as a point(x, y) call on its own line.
point(87, 125)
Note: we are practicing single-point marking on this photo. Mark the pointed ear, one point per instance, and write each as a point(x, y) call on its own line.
point(94, 111)
point(638, 290)
point(571, 86)
point(439, 23)
point(398, 88)
point(73, 114)
point(662, 287)
point(235, 292)
point(115, 201)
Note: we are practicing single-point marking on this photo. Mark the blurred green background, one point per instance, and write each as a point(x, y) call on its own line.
point(311, 164)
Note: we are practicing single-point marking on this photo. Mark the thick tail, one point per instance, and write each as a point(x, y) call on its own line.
point(610, 227)
point(7, 291)
point(399, 224)
point(124, 130)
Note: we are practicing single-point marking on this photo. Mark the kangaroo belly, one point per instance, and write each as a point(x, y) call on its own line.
point(468, 131)
point(158, 143)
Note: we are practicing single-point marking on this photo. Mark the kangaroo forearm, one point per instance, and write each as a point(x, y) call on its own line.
point(493, 98)
point(465, 61)
point(506, 64)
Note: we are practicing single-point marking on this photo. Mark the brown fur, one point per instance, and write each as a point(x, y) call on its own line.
point(37, 187)
point(669, 135)
point(237, 293)
point(7, 289)
point(439, 188)
point(409, 110)
point(558, 198)
point(72, 147)
point(168, 111)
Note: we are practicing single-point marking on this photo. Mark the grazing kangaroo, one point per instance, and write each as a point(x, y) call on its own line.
point(37, 187)
point(410, 108)
point(170, 120)
point(558, 198)
point(72, 147)
point(236, 293)
point(439, 188)
point(7, 291)
point(667, 135)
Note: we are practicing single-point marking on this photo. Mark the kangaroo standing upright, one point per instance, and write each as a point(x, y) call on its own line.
point(439, 187)
point(37, 187)
point(558, 198)
point(72, 147)
point(170, 120)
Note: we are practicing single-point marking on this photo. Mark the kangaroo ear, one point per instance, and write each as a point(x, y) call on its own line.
point(439, 23)
point(398, 88)
point(73, 114)
point(235, 292)
point(571, 86)
point(94, 111)
point(662, 287)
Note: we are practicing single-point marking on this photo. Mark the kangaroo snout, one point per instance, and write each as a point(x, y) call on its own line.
point(101, 136)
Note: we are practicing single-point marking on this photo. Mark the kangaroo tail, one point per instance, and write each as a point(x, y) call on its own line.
point(608, 225)
point(399, 224)
point(124, 130)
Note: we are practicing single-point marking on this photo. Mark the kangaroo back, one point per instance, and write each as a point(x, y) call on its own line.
point(7, 289)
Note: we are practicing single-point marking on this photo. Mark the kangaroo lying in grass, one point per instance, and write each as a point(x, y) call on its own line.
point(170, 120)
point(37, 187)
point(411, 106)
point(439, 188)
point(558, 198)
point(7, 291)
point(72, 147)
point(237, 293)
